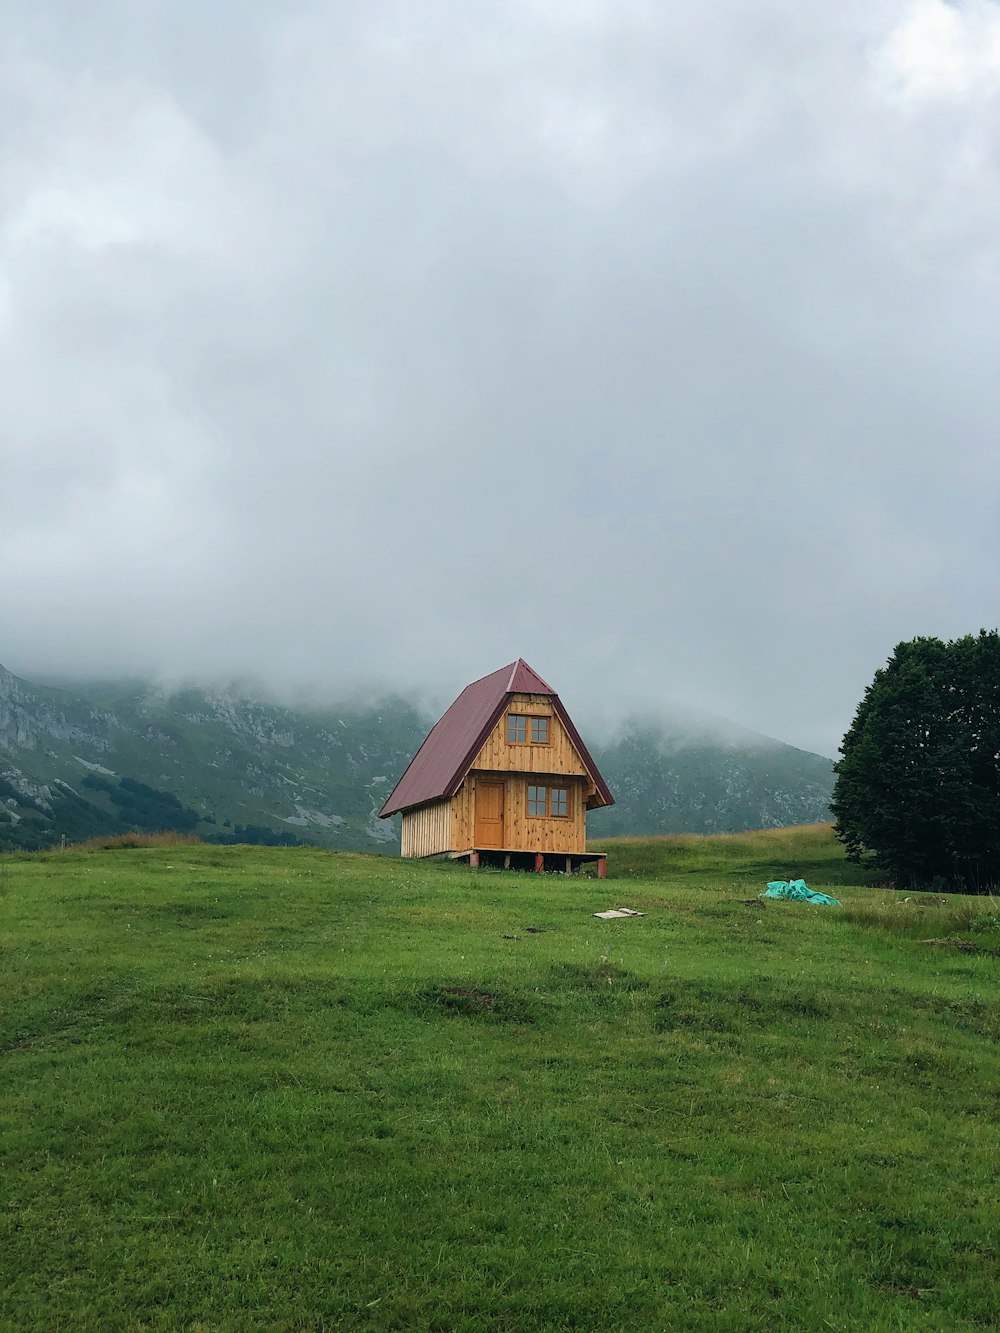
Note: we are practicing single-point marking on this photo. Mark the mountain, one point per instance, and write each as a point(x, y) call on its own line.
point(672, 779)
point(106, 758)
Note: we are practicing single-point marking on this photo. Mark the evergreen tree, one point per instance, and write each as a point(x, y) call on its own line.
point(918, 787)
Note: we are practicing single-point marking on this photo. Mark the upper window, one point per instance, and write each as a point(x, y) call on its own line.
point(517, 729)
point(523, 730)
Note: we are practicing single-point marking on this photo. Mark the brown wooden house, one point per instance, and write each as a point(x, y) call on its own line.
point(503, 777)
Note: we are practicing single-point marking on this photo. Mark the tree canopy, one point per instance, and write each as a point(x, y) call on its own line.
point(918, 787)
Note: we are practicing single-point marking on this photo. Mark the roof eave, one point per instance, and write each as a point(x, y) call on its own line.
point(484, 734)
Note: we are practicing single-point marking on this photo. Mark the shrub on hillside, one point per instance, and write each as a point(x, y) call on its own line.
point(255, 835)
point(122, 841)
point(143, 807)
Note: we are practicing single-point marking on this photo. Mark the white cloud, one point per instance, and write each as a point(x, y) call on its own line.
point(657, 344)
point(943, 51)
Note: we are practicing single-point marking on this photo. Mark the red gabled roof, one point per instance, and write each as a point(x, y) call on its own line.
point(439, 767)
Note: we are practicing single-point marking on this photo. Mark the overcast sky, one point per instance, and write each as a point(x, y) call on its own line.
point(655, 341)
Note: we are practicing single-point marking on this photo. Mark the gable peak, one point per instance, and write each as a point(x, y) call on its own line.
point(525, 680)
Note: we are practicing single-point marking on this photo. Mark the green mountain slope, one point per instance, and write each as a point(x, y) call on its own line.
point(237, 763)
point(669, 780)
point(108, 758)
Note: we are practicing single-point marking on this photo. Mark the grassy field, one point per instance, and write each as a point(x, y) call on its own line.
point(288, 1089)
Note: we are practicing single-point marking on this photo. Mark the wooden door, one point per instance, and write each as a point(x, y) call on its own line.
point(489, 814)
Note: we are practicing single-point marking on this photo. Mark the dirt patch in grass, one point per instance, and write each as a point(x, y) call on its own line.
point(980, 1016)
point(75, 1018)
point(473, 1002)
point(963, 946)
point(600, 976)
point(187, 914)
point(477, 996)
point(724, 1010)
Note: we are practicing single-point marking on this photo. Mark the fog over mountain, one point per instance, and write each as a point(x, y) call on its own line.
point(370, 345)
point(231, 767)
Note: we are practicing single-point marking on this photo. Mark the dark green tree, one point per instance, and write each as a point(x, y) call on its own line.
point(918, 787)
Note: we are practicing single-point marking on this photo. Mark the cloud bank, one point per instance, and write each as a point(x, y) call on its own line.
point(385, 342)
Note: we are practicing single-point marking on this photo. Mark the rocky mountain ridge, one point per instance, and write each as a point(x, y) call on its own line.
point(105, 758)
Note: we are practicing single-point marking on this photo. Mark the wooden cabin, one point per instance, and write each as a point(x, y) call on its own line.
point(503, 778)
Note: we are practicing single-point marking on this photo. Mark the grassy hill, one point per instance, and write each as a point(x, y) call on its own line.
point(292, 1089)
point(803, 851)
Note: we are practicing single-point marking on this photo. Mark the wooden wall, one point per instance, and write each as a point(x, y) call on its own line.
point(462, 815)
point(521, 833)
point(531, 834)
point(427, 830)
point(559, 756)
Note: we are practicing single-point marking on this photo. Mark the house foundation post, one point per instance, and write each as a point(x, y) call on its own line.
point(539, 862)
point(602, 867)
point(474, 860)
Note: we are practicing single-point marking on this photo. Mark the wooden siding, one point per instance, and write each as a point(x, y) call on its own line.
point(523, 833)
point(462, 815)
point(559, 756)
point(426, 830)
point(538, 704)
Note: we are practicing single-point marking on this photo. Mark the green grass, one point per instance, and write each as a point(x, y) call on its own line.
point(808, 851)
point(251, 1088)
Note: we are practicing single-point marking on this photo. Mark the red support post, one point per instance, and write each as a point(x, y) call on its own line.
point(602, 867)
point(539, 862)
point(474, 860)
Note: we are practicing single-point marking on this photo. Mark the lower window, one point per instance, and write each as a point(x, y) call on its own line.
point(548, 802)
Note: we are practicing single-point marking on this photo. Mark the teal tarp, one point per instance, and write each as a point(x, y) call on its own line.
point(797, 891)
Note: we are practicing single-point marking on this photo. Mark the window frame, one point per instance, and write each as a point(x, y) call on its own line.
point(512, 721)
point(540, 720)
point(548, 812)
point(529, 719)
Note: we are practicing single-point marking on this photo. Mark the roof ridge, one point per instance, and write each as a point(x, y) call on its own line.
point(486, 675)
point(438, 768)
point(523, 668)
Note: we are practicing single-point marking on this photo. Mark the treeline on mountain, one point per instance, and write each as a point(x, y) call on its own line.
point(146, 809)
point(143, 808)
point(255, 835)
point(126, 805)
point(917, 793)
point(32, 823)
point(27, 825)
